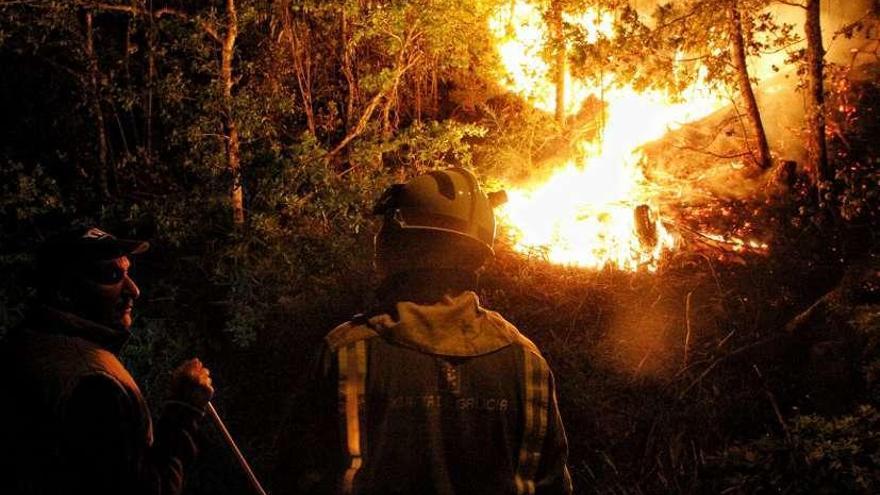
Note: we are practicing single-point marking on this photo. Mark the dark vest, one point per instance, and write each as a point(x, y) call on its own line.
point(42, 364)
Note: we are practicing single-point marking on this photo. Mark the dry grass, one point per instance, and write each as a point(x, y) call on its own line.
point(657, 373)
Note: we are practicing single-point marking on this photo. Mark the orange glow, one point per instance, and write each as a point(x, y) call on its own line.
point(584, 214)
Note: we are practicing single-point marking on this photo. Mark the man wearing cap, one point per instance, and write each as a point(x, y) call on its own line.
point(73, 419)
point(430, 393)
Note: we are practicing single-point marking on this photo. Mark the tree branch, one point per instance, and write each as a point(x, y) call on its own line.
point(791, 4)
point(403, 64)
point(207, 28)
point(360, 127)
point(712, 153)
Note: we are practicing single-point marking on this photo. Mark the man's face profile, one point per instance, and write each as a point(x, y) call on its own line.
point(105, 293)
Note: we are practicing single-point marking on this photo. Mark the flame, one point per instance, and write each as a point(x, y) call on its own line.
point(585, 214)
point(581, 217)
point(521, 40)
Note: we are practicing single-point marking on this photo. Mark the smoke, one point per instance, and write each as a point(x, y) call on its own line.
point(835, 15)
point(708, 154)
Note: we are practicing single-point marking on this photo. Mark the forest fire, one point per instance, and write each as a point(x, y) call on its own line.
point(684, 295)
point(598, 209)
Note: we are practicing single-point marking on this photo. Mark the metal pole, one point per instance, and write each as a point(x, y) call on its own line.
point(235, 450)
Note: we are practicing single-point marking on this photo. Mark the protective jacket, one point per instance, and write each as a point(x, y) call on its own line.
point(447, 398)
point(74, 420)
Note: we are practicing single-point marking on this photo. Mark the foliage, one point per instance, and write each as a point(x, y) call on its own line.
point(853, 145)
point(701, 31)
point(683, 42)
point(818, 455)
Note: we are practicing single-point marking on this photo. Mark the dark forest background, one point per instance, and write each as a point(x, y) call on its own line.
point(247, 140)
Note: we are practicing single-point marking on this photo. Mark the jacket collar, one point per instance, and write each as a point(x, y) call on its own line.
point(50, 320)
point(454, 326)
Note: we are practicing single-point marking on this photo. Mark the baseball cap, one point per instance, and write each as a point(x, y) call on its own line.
point(87, 244)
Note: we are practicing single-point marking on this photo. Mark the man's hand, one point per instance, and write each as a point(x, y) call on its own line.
point(191, 383)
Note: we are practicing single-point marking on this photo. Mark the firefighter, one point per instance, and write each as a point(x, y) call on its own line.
point(432, 393)
point(73, 418)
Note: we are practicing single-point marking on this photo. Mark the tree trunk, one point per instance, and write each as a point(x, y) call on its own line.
point(102, 183)
point(435, 90)
point(386, 115)
point(419, 87)
point(129, 85)
point(390, 101)
point(816, 98)
point(151, 84)
point(559, 68)
point(348, 72)
point(231, 130)
point(745, 86)
point(298, 41)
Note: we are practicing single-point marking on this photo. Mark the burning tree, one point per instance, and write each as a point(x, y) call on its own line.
point(650, 76)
